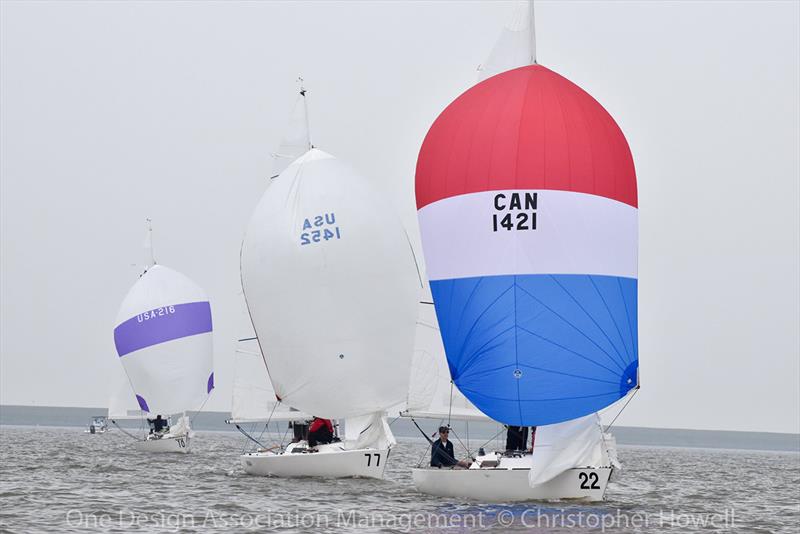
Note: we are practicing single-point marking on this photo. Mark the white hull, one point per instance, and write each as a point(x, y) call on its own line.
point(332, 461)
point(504, 485)
point(167, 443)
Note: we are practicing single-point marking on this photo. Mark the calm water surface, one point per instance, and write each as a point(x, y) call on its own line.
point(60, 479)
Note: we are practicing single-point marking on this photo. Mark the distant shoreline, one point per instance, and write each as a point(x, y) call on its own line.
point(12, 415)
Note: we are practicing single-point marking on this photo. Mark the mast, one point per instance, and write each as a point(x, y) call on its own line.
point(532, 23)
point(303, 93)
point(149, 258)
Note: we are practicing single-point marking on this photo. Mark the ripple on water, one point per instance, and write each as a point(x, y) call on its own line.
point(102, 477)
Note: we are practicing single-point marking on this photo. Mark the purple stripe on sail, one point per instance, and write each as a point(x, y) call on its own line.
point(210, 382)
point(162, 324)
point(142, 403)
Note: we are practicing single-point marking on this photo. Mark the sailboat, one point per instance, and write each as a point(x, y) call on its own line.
point(331, 286)
point(164, 343)
point(527, 203)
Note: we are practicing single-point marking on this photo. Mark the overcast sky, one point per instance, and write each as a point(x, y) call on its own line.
point(117, 111)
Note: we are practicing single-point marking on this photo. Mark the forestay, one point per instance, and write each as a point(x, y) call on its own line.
point(331, 285)
point(163, 339)
point(527, 203)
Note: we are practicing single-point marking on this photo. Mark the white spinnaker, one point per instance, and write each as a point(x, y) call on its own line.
point(331, 286)
point(515, 47)
point(430, 388)
point(163, 338)
point(296, 139)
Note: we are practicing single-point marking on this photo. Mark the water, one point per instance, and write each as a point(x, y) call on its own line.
point(62, 479)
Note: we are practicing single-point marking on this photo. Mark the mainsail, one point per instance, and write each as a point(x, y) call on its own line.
point(527, 203)
point(253, 398)
point(431, 393)
point(163, 339)
point(516, 45)
point(331, 286)
point(296, 139)
point(122, 403)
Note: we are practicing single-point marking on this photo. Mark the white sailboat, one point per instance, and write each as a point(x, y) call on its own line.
point(164, 343)
point(331, 286)
point(526, 197)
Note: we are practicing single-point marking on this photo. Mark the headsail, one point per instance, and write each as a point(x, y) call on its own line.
point(163, 339)
point(331, 286)
point(527, 203)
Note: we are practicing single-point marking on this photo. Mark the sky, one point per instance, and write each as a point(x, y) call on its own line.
point(111, 112)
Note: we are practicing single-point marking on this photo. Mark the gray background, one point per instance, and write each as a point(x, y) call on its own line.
point(113, 112)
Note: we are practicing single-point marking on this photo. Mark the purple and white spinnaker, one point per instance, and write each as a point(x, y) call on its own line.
point(163, 339)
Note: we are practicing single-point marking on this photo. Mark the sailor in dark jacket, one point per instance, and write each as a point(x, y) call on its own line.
point(442, 454)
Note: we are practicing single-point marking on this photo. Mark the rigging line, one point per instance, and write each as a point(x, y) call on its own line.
point(450, 408)
point(126, 432)
point(191, 420)
point(269, 419)
point(248, 436)
point(635, 391)
point(466, 448)
point(502, 428)
point(533, 32)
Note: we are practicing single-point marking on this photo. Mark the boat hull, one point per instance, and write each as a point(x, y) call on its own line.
point(175, 444)
point(506, 485)
point(327, 463)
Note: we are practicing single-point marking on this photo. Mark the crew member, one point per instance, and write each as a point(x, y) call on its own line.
point(442, 452)
point(320, 431)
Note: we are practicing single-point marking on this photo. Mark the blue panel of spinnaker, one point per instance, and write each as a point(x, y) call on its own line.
point(539, 349)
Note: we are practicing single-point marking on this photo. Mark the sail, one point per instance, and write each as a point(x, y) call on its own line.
point(253, 397)
point(296, 139)
point(515, 46)
point(122, 404)
point(431, 394)
point(331, 285)
point(527, 204)
point(577, 443)
point(163, 339)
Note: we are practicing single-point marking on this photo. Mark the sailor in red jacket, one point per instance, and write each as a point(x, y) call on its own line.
point(320, 431)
